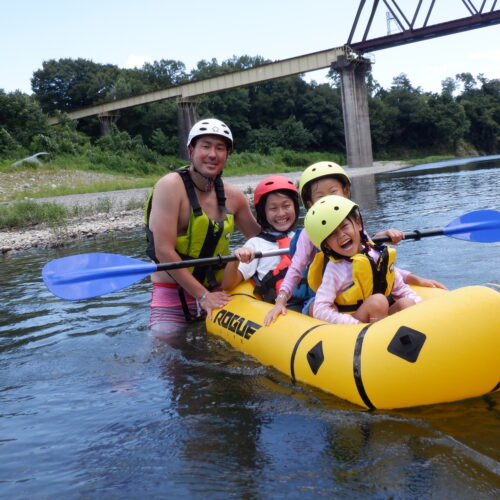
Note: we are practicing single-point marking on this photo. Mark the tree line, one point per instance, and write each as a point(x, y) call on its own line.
point(288, 114)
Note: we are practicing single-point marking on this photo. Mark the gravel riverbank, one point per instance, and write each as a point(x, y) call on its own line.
point(117, 217)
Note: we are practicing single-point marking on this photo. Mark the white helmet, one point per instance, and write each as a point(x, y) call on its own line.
point(211, 126)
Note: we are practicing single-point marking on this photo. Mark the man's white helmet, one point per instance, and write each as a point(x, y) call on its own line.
point(211, 126)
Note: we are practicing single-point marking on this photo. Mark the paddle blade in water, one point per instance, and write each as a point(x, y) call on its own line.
point(90, 275)
point(482, 226)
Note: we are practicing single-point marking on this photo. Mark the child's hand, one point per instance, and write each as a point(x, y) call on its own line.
point(414, 279)
point(245, 254)
point(394, 234)
point(272, 315)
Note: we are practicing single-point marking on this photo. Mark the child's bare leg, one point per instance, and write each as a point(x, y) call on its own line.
point(375, 307)
point(401, 304)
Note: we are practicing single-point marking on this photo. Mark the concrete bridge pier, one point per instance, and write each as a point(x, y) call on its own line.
point(186, 118)
point(105, 121)
point(355, 110)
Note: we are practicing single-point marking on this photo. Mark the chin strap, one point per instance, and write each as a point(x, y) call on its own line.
point(210, 181)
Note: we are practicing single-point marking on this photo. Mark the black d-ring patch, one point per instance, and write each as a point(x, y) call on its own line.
point(407, 343)
point(315, 357)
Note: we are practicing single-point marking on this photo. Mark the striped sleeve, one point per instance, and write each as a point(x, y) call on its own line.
point(303, 256)
point(337, 277)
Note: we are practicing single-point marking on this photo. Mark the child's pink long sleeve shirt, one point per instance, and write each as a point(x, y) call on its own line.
point(303, 256)
point(338, 277)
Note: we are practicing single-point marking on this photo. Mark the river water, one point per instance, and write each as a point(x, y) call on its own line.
point(92, 407)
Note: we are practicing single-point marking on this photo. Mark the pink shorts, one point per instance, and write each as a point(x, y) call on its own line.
point(166, 306)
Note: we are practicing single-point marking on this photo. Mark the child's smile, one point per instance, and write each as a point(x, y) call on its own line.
point(280, 212)
point(346, 239)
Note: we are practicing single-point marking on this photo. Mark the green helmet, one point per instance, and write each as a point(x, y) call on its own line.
point(325, 216)
point(318, 170)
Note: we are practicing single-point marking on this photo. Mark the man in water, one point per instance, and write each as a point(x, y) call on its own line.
point(191, 213)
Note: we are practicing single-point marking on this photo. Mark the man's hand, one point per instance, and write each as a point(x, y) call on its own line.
point(214, 300)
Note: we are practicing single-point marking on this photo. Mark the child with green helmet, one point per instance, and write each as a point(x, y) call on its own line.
point(318, 180)
point(360, 283)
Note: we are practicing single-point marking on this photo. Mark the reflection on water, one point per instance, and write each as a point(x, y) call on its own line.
point(92, 407)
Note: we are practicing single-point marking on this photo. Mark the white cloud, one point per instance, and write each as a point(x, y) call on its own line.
point(486, 55)
point(134, 61)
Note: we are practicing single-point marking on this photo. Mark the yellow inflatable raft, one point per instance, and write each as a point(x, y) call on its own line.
point(446, 348)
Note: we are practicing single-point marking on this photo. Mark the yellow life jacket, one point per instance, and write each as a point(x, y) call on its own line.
point(368, 277)
point(204, 237)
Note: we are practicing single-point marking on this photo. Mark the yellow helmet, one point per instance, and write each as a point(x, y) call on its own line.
point(325, 216)
point(318, 170)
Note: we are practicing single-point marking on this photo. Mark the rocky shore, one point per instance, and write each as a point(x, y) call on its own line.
point(118, 218)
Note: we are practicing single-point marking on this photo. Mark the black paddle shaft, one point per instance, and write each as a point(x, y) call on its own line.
point(415, 235)
point(218, 260)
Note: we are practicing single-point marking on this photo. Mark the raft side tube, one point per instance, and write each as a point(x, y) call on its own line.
point(446, 348)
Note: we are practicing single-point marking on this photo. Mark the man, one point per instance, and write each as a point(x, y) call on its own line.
point(191, 213)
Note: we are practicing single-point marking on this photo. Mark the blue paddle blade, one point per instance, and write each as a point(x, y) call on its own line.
point(93, 274)
point(482, 226)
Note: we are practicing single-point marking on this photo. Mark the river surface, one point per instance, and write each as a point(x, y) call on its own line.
point(92, 407)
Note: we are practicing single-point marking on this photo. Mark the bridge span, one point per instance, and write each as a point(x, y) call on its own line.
point(271, 71)
point(350, 64)
point(347, 60)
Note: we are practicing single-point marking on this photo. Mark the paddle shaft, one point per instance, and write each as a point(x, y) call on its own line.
point(463, 228)
point(91, 275)
point(218, 260)
point(142, 269)
point(415, 235)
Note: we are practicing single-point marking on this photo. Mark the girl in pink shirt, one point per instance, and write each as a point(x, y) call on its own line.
point(360, 283)
point(318, 180)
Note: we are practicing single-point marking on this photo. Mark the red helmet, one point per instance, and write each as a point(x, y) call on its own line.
point(270, 184)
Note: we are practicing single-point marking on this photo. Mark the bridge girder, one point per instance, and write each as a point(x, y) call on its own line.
point(413, 32)
point(279, 69)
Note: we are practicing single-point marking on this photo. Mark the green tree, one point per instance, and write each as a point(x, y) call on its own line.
point(231, 106)
point(383, 119)
point(321, 114)
point(467, 80)
point(21, 117)
point(163, 144)
point(164, 73)
point(9, 147)
point(482, 107)
point(262, 140)
point(448, 86)
point(292, 134)
point(62, 138)
point(442, 122)
point(406, 100)
point(67, 84)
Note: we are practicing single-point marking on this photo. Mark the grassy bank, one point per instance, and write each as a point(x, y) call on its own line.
point(28, 213)
point(75, 175)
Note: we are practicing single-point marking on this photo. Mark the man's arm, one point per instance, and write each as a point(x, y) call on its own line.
point(164, 221)
point(243, 217)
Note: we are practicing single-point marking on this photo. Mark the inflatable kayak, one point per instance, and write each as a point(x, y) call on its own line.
point(446, 348)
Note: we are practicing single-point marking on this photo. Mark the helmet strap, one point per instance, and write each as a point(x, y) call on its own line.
point(209, 181)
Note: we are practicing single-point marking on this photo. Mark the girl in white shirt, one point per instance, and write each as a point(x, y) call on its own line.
point(276, 201)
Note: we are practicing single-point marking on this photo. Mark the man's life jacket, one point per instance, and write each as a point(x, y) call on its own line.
point(268, 287)
point(204, 237)
point(369, 277)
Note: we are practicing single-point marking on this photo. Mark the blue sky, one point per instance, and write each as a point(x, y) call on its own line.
point(128, 33)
